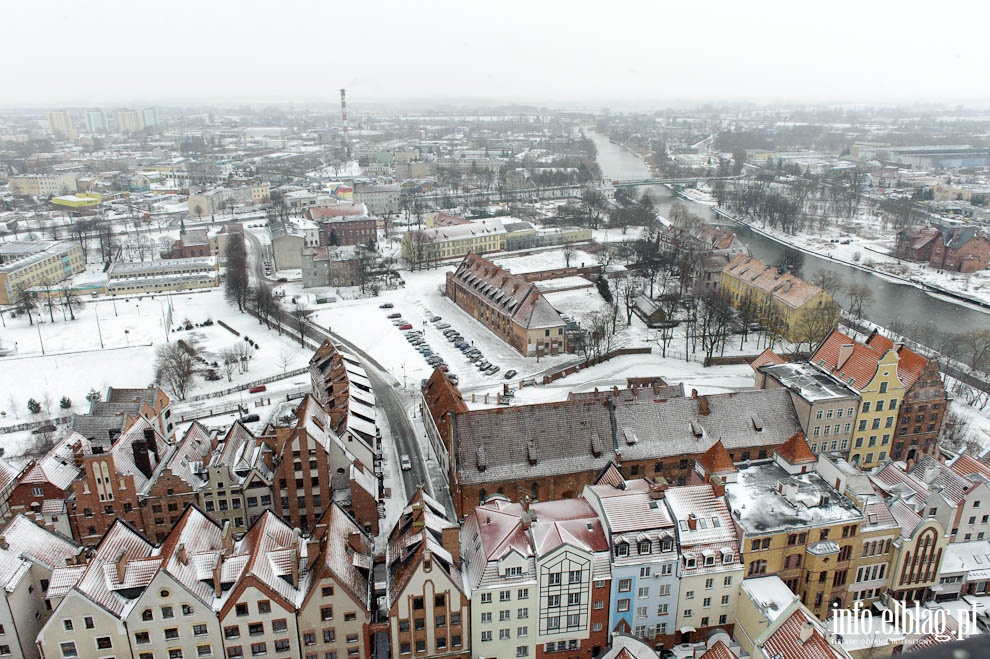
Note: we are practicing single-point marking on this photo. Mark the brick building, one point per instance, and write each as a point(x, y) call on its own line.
point(348, 230)
point(960, 249)
point(508, 305)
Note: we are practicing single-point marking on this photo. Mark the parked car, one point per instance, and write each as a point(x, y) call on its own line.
point(443, 325)
point(395, 315)
point(511, 373)
point(435, 319)
point(257, 389)
point(40, 430)
point(453, 338)
point(407, 326)
point(449, 331)
point(493, 370)
point(453, 378)
point(404, 462)
point(387, 305)
point(250, 418)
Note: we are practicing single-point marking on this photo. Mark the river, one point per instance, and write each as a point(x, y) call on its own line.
point(891, 301)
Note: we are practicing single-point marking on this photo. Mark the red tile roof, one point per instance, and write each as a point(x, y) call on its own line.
point(768, 356)
point(786, 641)
point(862, 364)
point(796, 450)
point(716, 460)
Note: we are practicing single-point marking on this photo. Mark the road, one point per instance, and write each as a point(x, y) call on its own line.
point(391, 400)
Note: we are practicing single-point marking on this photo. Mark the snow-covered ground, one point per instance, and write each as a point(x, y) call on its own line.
point(131, 330)
point(550, 259)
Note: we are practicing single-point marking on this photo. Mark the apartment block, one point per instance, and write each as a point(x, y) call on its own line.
point(29, 264)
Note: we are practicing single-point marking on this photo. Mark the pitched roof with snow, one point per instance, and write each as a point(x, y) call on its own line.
point(716, 460)
point(765, 358)
point(350, 567)
point(785, 642)
point(859, 368)
point(788, 289)
point(22, 542)
point(510, 294)
point(679, 426)
point(796, 450)
point(58, 466)
point(119, 565)
point(506, 444)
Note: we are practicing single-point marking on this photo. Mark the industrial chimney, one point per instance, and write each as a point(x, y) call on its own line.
point(343, 113)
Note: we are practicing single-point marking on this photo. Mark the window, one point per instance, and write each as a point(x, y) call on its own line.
point(725, 600)
point(487, 636)
point(87, 620)
point(625, 585)
point(522, 593)
point(574, 599)
point(622, 549)
point(282, 645)
point(264, 606)
point(171, 633)
point(505, 596)
point(707, 602)
point(642, 611)
point(241, 609)
point(235, 652)
point(279, 625)
point(688, 613)
point(486, 616)
point(623, 605)
point(574, 576)
point(175, 653)
point(140, 638)
point(486, 598)
point(504, 634)
point(259, 648)
point(256, 628)
point(68, 649)
point(67, 624)
point(199, 630)
point(326, 613)
point(232, 632)
point(327, 591)
point(689, 595)
point(522, 651)
point(204, 650)
point(147, 615)
point(553, 600)
point(522, 614)
point(643, 592)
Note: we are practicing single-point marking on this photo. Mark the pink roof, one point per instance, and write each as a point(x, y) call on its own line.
point(572, 522)
point(768, 356)
point(786, 642)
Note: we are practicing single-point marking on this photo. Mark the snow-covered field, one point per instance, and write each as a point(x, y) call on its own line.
point(131, 330)
point(544, 260)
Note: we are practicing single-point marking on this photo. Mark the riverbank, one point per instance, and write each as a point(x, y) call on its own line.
point(796, 242)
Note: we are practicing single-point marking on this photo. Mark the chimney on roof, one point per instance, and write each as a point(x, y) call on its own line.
point(149, 439)
point(694, 393)
point(450, 539)
point(354, 541)
point(227, 537)
point(692, 522)
point(658, 490)
point(181, 555)
point(634, 389)
point(4, 544)
point(527, 518)
point(845, 352)
point(718, 485)
point(142, 457)
point(217, 573)
point(806, 631)
point(703, 408)
point(120, 563)
point(294, 565)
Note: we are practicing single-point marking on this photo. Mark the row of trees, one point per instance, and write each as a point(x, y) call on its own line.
point(47, 295)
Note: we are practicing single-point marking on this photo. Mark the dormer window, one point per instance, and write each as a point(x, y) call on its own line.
point(667, 545)
point(622, 549)
point(513, 572)
point(644, 547)
point(689, 560)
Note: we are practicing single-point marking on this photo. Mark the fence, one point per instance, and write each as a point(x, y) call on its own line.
point(31, 425)
point(564, 372)
point(247, 385)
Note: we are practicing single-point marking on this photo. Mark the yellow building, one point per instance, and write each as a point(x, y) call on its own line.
point(917, 555)
point(42, 185)
point(798, 310)
point(31, 264)
point(80, 200)
point(874, 375)
point(445, 242)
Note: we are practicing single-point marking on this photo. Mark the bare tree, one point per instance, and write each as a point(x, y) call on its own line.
point(230, 360)
point(47, 285)
point(299, 317)
point(236, 282)
point(25, 301)
point(714, 322)
point(860, 296)
point(244, 352)
point(569, 253)
point(174, 368)
point(284, 359)
point(829, 282)
point(665, 334)
point(70, 299)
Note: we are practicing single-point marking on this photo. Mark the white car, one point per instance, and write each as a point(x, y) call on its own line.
point(404, 462)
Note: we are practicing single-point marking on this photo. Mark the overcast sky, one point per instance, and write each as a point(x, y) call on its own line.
point(607, 51)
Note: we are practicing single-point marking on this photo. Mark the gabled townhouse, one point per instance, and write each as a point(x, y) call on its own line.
point(539, 579)
point(711, 568)
point(259, 583)
point(238, 479)
point(334, 615)
point(772, 623)
point(426, 604)
point(110, 417)
point(169, 612)
point(45, 485)
point(91, 602)
point(917, 554)
point(8, 480)
point(28, 555)
point(176, 484)
point(902, 400)
point(114, 479)
point(645, 557)
point(795, 525)
point(935, 490)
point(303, 465)
point(872, 572)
